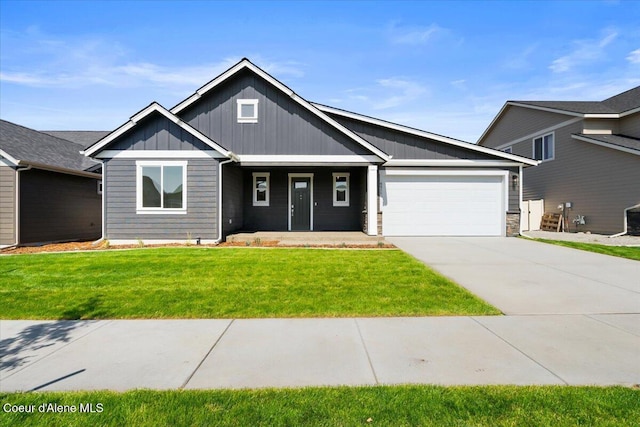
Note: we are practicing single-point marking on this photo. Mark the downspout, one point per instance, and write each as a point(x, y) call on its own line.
point(233, 158)
point(625, 221)
point(18, 170)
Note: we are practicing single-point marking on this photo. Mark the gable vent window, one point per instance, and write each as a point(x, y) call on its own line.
point(247, 111)
point(543, 148)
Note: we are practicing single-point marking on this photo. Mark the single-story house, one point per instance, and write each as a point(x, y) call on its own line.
point(590, 159)
point(49, 192)
point(246, 152)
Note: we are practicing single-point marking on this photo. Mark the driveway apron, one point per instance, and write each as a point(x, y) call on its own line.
point(526, 277)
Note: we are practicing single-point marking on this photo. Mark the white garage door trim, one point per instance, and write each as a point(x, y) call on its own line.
point(388, 174)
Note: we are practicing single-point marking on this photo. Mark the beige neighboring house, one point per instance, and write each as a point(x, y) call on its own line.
point(590, 159)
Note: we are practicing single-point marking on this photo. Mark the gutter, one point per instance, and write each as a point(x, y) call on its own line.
point(69, 171)
point(625, 221)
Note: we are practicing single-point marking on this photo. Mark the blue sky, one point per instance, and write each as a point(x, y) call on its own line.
point(445, 67)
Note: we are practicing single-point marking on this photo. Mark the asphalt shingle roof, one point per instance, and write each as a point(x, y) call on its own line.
point(32, 146)
point(619, 140)
point(617, 104)
point(82, 137)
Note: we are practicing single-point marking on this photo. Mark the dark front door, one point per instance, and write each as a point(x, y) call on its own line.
point(300, 203)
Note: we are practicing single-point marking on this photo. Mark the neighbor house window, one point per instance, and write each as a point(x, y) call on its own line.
point(340, 189)
point(161, 187)
point(260, 189)
point(543, 148)
point(508, 150)
point(247, 111)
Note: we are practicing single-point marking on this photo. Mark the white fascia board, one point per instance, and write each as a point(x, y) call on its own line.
point(67, 171)
point(493, 122)
point(607, 145)
point(547, 109)
point(441, 172)
point(159, 154)
point(452, 163)
point(135, 119)
point(627, 113)
point(306, 160)
point(429, 135)
point(245, 63)
point(11, 159)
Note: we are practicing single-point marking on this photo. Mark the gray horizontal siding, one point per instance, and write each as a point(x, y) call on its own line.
point(122, 221)
point(599, 181)
point(7, 205)
point(156, 132)
point(403, 145)
point(58, 207)
point(517, 122)
point(284, 126)
point(630, 125)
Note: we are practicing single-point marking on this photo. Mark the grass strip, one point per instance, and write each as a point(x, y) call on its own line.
point(337, 406)
point(629, 252)
point(227, 283)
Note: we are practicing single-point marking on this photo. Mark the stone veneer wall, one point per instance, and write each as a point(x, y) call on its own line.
point(513, 224)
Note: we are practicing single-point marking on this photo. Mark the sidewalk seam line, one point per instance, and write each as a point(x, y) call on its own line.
point(611, 325)
point(105, 323)
point(366, 351)
point(184, 384)
point(520, 351)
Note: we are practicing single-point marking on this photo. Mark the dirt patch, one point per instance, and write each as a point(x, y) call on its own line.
point(90, 246)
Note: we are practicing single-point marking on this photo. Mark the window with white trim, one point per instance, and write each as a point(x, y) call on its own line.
point(161, 186)
point(340, 189)
point(543, 147)
point(261, 189)
point(508, 150)
point(247, 111)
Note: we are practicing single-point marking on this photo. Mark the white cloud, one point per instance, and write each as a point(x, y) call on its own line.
point(398, 91)
point(415, 35)
point(585, 52)
point(634, 57)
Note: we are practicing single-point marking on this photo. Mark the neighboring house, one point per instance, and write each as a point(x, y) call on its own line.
point(47, 192)
point(246, 152)
point(589, 153)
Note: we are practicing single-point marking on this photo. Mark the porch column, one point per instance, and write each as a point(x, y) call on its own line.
point(372, 200)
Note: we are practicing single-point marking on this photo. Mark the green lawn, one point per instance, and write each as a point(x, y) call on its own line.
point(227, 283)
point(619, 251)
point(340, 406)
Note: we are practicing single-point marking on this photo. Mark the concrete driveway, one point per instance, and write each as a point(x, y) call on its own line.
point(520, 276)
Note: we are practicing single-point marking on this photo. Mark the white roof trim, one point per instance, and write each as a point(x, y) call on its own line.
point(451, 163)
point(245, 63)
point(10, 158)
point(306, 160)
point(155, 107)
point(425, 134)
point(605, 144)
point(159, 154)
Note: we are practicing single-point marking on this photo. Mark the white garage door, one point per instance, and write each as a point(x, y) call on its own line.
point(443, 205)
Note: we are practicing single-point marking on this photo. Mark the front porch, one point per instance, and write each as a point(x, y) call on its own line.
point(286, 199)
point(306, 238)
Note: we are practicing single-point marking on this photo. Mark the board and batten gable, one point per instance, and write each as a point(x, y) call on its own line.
point(518, 122)
point(156, 133)
point(7, 205)
point(284, 127)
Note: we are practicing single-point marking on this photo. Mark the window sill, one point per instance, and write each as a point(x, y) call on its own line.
point(247, 120)
point(161, 211)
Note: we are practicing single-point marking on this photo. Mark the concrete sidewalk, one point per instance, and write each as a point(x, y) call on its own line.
point(198, 354)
